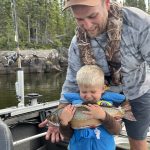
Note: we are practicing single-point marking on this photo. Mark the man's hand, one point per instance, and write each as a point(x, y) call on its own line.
point(53, 133)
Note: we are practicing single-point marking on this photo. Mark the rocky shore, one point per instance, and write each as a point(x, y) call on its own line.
point(33, 61)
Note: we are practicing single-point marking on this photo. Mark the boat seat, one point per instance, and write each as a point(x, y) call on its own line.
point(6, 141)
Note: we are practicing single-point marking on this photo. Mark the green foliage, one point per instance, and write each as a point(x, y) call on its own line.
point(136, 3)
point(41, 24)
point(132, 3)
point(141, 4)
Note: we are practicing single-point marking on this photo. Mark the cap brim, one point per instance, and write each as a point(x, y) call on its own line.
point(85, 3)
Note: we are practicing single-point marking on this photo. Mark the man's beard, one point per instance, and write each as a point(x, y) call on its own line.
point(98, 31)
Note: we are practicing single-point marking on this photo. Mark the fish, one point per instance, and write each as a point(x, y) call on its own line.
point(81, 120)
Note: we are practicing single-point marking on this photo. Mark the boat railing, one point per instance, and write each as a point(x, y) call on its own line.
point(29, 139)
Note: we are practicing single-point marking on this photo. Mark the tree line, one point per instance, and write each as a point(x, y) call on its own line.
point(136, 3)
point(40, 24)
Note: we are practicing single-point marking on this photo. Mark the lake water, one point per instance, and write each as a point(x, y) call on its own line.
point(48, 85)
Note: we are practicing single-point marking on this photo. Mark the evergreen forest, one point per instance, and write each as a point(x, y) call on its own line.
point(39, 24)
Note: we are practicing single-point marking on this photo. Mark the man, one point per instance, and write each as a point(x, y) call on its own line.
point(118, 40)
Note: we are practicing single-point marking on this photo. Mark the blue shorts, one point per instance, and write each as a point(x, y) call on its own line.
point(141, 110)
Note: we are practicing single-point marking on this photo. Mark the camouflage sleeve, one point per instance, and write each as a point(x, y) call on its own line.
point(112, 125)
point(66, 131)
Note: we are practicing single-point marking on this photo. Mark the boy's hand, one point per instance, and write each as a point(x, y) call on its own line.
point(95, 111)
point(67, 114)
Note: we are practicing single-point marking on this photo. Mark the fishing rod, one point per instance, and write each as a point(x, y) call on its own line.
point(20, 73)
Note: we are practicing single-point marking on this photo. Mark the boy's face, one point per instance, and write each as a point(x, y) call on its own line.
point(91, 93)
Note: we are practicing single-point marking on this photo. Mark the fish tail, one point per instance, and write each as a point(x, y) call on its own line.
point(129, 116)
point(128, 112)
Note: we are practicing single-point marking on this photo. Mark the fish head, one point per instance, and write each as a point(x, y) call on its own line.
point(53, 117)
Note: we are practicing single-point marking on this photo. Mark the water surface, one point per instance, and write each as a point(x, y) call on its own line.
point(49, 85)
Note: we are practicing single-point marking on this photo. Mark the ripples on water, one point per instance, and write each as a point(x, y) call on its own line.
point(49, 85)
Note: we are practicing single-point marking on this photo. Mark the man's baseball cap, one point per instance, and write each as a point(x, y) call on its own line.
point(69, 3)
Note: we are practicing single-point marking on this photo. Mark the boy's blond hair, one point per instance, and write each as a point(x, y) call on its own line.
point(90, 75)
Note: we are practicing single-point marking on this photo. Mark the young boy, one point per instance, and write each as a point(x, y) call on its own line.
point(90, 79)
